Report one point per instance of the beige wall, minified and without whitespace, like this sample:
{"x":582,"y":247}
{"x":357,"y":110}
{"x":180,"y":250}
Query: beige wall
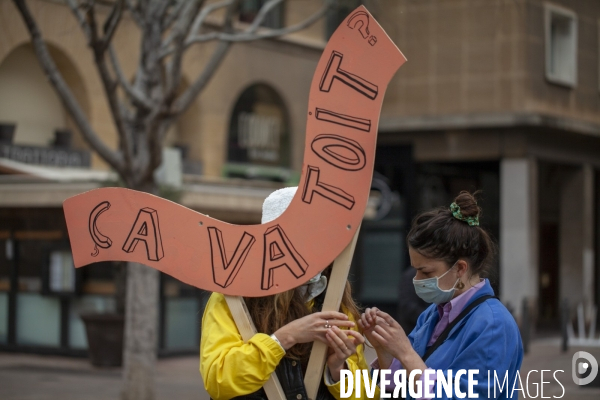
{"x":486,"y":56}
{"x":464,"y":56}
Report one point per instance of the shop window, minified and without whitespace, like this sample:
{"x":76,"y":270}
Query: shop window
{"x":38,"y":320}
{"x":5,"y":250}
{"x":3,"y":317}
{"x":182,"y":307}
{"x":382,"y":256}
{"x":249,"y":9}
{"x":561,"y":45}
{"x":337,"y":13}
{"x":181,"y":323}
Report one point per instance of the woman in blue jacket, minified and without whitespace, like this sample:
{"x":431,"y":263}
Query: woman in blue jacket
{"x":466,"y":327}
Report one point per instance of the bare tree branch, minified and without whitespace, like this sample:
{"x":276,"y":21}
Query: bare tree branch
{"x":75,"y":9}
{"x":111,"y":23}
{"x":135,"y":96}
{"x":110,"y":88}
{"x":134,"y":10}
{"x":175,"y":13}
{"x":206,"y":11}
{"x":113,"y":158}
{"x":251,"y":33}
{"x":181,"y":30}
{"x":167,"y":49}
{"x":187,"y":97}
{"x":262,"y":13}
{"x":158,"y":10}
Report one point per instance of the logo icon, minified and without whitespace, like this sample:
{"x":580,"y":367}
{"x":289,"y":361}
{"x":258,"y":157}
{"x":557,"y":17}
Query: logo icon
{"x":584,"y":368}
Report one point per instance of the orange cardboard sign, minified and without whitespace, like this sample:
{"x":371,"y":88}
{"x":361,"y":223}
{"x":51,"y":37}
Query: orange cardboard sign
{"x":346,"y":94}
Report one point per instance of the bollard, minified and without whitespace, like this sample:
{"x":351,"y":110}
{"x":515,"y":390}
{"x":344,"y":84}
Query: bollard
{"x":525,"y":325}
{"x":564,"y":321}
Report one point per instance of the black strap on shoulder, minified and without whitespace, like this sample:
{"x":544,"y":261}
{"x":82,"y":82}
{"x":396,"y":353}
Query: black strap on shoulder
{"x":444,"y":335}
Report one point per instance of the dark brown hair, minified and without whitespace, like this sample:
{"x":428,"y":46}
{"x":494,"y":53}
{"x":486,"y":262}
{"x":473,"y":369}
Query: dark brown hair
{"x":438,"y":234}
{"x":270,"y":313}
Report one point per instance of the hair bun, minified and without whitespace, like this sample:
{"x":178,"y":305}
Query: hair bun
{"x":468,"y":205}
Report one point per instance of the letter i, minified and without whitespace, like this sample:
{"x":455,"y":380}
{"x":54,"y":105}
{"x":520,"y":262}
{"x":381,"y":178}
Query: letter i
{"x":357,"y":378}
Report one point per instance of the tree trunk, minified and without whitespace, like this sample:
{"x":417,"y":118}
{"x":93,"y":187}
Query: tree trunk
{"x":141,"y":326}
{"x":141,"y":320}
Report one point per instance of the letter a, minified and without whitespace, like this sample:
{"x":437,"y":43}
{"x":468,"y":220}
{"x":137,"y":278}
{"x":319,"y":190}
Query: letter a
{"x":335,"y":194}
{"x":279,"y":252}
{"x":220,"y":264}
{"x":146,"y":229}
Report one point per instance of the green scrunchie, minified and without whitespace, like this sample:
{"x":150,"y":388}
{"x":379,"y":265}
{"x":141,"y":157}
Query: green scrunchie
{"x":472,"y":221}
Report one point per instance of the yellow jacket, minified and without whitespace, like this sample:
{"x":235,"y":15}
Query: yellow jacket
{"x":232,"y":368}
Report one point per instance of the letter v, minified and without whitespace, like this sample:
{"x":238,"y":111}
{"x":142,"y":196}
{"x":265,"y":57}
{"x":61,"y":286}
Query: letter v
{"x":225,"y":271}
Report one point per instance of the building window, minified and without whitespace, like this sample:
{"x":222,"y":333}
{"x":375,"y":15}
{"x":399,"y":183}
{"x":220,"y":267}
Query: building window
{"x":259,"y":136}
{"x":249,"y":9}
{"x":337,"y":13}
{"x":561,"y":45}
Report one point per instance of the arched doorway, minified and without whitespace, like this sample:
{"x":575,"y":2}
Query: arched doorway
{"x":32,"y":114}
{"x":29,"y":101}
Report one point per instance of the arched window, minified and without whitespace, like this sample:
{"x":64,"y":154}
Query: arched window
{"x":259,"y":139}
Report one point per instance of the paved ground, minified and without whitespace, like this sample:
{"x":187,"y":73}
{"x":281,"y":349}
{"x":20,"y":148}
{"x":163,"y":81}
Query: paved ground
{"x":546,"y":355}
{"x":31,"y":377}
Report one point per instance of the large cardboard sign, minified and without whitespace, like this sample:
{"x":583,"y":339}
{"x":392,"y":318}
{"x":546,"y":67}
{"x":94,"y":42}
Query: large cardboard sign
{"x":345,"y":101}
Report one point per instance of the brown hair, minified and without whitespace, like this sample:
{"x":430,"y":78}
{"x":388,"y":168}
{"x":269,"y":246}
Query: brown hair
{"x":270,"y":313}
{"x":438,"y":234}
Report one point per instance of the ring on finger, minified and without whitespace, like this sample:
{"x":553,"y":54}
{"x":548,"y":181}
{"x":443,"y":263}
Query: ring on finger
{"x":327,"y":326}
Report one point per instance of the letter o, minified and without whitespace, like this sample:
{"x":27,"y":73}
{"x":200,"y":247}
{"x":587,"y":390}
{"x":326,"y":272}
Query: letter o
{"x":341,"y":152}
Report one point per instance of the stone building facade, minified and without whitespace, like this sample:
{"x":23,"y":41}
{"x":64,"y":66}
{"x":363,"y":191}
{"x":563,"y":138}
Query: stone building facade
{"x":498,"y":95}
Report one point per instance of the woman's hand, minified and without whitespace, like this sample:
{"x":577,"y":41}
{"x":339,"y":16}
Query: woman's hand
{"x":390,"y":334}
{"x":342,"y":344}
{"x":367,"y":322}
{"x":311,"y":327}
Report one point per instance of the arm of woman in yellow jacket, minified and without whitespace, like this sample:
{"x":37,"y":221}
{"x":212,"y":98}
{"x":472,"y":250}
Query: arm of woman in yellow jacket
{"x":230,"y":367}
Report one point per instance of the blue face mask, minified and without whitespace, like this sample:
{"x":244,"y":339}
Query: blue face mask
{"x":429,"y":289}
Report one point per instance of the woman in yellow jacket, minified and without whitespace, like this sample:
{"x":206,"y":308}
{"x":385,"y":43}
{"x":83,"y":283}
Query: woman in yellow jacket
{"x":287,"y":323}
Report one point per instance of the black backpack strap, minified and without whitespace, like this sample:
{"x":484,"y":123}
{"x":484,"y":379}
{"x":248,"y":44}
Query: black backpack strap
{"x":444,"y":335}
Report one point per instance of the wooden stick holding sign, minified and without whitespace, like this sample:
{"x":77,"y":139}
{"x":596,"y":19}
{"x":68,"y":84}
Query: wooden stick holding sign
{"x":333,"y":299}
{"x":332,"y":302}
{"x":346,"y":95}
{"x":245,"y":325}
